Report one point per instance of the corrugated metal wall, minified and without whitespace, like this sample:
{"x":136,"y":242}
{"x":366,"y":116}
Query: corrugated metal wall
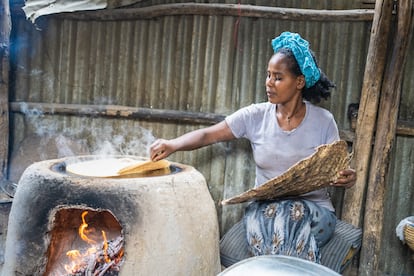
{"x":212,"y":64}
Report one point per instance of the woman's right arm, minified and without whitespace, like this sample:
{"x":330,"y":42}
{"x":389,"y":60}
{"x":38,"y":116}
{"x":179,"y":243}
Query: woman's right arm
{"x":219,"y":132}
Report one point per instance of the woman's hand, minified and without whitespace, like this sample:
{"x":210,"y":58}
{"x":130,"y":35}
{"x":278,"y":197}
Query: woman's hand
{"x":346,"y":179}
{"x":195,"y":139}
{"x":161,"y":149}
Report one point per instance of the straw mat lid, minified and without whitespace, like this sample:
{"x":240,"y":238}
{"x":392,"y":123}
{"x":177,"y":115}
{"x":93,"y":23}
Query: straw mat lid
{"x":312,"y":173}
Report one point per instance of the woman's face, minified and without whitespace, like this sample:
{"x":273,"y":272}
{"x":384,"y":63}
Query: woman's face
{"x":282,"y":85}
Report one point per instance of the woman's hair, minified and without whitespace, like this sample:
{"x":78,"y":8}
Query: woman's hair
{"x":321,"y":89}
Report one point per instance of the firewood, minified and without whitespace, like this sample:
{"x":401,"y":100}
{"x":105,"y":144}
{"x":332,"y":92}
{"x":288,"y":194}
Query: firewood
{"x":96,"y":265}
{"x":91,"y":266}
{"x":114,"y":247}
{"x":104,"y":268}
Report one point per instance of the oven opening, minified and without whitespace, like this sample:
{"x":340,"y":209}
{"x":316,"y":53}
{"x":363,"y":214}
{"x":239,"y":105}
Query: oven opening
{"x":84,"y":241}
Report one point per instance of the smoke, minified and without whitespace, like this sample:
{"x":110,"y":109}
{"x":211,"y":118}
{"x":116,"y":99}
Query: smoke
{"x":63,"y":145}
{"x":84,"y":135}
{"x":127,"y":141}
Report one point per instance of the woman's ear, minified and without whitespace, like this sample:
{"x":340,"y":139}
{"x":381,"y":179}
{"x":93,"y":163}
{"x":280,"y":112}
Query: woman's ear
{"x":301,"y":82}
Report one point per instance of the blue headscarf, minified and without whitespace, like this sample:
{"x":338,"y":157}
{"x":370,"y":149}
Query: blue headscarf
{"x":302,"y":53}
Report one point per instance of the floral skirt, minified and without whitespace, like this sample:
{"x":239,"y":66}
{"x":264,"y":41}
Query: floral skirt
{"x":292,"y":227}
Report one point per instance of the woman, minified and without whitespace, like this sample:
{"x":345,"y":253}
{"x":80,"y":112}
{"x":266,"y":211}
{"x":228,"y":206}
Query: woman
{"x":281,"y":131}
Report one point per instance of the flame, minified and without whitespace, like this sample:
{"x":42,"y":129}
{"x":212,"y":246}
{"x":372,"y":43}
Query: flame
{"x":76,"y":257}
{"x":73,"y":254}
{"x":105,"y":247}
{"x":83,"y":231}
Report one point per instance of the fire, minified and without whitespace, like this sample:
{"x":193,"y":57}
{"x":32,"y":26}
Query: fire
{"x":83,"y":231}
{"x":96,"y":256}
{"x":105,"y":247}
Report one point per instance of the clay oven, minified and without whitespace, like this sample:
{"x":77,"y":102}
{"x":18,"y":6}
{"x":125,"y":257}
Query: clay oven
{"x":142,"y":225}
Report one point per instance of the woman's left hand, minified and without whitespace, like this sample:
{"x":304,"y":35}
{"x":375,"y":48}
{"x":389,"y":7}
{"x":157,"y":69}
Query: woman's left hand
{"x":346,"y":179}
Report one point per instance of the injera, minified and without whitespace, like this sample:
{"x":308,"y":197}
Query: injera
{"x":233,"y":246}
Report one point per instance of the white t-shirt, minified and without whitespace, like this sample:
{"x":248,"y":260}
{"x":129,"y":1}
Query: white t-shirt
{"x":276,"y":150}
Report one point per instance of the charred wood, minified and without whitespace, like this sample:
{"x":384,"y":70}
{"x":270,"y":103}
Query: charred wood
{"x":96,"y":265}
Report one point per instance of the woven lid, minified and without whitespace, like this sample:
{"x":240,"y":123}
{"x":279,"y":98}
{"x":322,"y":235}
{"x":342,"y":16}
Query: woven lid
{"x":312,"y":173}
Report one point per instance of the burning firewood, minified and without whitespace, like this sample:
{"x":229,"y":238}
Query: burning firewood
{"x":97,"y":264}
{"x":115,"y":247}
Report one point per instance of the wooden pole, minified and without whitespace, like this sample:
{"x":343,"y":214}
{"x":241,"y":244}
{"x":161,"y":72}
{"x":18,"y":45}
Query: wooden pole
{"x":404,"y":127}
{"x":368,"y":108}
{"x":5,"y":28}
{"x":118,"y":111}
{"x":384,"y":141}
{"x":222,"y":10}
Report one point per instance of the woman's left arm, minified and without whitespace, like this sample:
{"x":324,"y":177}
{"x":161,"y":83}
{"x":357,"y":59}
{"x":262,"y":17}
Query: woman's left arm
{"x":346,"y":179}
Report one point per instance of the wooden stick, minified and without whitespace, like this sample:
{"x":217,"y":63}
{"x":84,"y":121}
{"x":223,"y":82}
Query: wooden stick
{"x":384,"y":141}
{"x":222,"y":10}
{"x":367,"y":114}
{"x":104,"y":268}
{"x":144,"y":167}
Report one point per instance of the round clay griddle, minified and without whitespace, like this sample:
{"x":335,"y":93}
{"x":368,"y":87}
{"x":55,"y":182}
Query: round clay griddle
{"x":105,"y":167}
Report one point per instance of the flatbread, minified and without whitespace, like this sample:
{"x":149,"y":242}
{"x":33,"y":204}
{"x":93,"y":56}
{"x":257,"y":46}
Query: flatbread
{"x":114,"y":167}
{"x":312,"y":173}
{"x":104,"y":167}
